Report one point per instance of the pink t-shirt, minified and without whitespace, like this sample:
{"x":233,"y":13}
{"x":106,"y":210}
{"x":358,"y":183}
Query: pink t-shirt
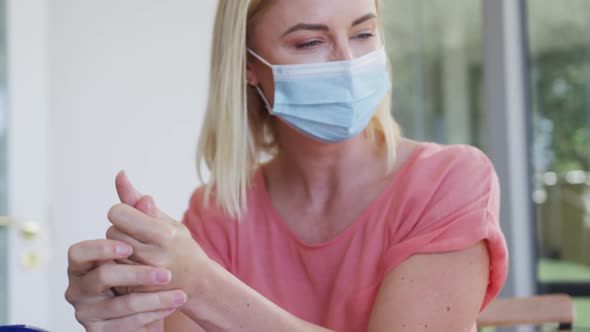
{"x":444,"y":198}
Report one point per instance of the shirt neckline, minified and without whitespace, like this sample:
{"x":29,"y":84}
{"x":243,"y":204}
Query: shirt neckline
{"x":277,"y":219}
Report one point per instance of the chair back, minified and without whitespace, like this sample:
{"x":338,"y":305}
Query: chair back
{"x":534,"y":310}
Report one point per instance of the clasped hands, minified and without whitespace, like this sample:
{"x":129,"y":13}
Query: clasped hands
{"x":145,"y":269}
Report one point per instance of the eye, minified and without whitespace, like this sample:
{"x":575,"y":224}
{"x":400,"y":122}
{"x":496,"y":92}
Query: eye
{"x":309,"y":44}
{"x":365,"y":35}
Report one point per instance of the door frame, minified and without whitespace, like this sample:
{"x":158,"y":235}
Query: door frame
{"x":27,"y":158}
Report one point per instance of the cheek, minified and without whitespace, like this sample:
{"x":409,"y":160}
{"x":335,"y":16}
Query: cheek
{"x":361,"y":47}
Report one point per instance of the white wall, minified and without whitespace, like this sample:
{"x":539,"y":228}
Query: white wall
{"x":128,"y":81}
{"x":26,"y":152}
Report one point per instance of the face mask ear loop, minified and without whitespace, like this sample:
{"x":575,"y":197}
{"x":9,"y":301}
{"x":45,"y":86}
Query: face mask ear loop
{"x":260,"y":58}
{"x":263,"y":98}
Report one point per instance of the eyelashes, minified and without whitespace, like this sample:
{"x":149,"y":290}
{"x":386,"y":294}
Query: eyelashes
{"x":365,"y":35}
{"x":316,"y":42}
{"x":309,"y":44}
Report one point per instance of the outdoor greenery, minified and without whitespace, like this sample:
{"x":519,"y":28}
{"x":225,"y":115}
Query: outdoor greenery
{"x":561,"y":93}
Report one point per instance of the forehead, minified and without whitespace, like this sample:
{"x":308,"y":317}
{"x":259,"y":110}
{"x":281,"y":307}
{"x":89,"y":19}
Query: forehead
{"x":288,"y":12}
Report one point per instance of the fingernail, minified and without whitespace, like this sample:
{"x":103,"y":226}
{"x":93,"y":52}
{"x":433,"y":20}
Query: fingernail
{"x":150,"y":206}
{"x":149,"y":202}
{"x":161,"y":277}
{"x":179,"y":299}
{"x":123,"y":250}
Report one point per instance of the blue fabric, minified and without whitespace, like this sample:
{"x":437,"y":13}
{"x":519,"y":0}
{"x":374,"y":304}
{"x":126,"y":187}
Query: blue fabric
{"x":20,"y":328}
{"x":330,"y":101}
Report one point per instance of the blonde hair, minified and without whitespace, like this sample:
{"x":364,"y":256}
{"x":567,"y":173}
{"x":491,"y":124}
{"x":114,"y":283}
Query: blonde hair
{"x":237,"y":130}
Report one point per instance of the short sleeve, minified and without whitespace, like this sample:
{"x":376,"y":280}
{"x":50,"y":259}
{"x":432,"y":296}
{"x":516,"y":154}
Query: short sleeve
{"x":456,"y":207}
{"x":209,"y":229}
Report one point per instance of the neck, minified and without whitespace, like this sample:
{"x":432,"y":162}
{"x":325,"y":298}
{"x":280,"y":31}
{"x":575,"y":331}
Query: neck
{"x":319,"y":172}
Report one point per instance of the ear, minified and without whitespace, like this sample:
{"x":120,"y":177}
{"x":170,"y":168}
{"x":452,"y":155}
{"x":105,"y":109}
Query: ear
{"x":251,"y":77}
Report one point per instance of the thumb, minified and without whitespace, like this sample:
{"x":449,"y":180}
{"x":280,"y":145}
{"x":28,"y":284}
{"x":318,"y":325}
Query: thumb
{"x":127,"y":193}
{"x":147,"y":205}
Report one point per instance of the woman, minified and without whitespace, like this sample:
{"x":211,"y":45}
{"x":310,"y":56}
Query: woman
{"x":345,"y":226}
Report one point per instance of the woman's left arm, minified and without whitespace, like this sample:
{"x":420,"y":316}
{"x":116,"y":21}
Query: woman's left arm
{"x":217,"y":301}
{"x":227,"y":304}
{"x":440,"y":292}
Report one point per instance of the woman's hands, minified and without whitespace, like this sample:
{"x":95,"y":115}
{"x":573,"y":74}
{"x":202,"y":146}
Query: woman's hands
{"x":157,"y":240}
{"x":92,"y":272}
{"x":162,"y":261}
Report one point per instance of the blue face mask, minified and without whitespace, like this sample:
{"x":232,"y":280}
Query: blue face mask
{"x":329,"y":101}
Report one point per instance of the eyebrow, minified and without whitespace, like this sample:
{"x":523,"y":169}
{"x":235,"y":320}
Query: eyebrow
{"x":323,"y":27}
{"x":364,"y":19}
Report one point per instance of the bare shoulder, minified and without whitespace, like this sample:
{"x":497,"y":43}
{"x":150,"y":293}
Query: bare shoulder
{"x":449,"y":286}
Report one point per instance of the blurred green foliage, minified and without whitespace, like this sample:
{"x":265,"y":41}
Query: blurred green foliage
{"x":561,"y":91}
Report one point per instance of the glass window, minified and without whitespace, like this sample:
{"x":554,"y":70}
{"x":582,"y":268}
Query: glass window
{"x":435,"y":50}
{"x":436,"y":55}
{"x":559,"y":74}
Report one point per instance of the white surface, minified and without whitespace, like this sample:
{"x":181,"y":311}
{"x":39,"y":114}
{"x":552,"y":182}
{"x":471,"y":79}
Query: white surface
{"x":27,"y":156}
{"x":128,"y":83}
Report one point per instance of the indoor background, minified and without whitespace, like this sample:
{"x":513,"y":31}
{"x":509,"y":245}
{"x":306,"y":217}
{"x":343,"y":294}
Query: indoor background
{"x":90,"y":87}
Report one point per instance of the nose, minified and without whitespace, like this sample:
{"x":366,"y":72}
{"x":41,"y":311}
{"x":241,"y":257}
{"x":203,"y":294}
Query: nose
{"x":342,"y":51}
